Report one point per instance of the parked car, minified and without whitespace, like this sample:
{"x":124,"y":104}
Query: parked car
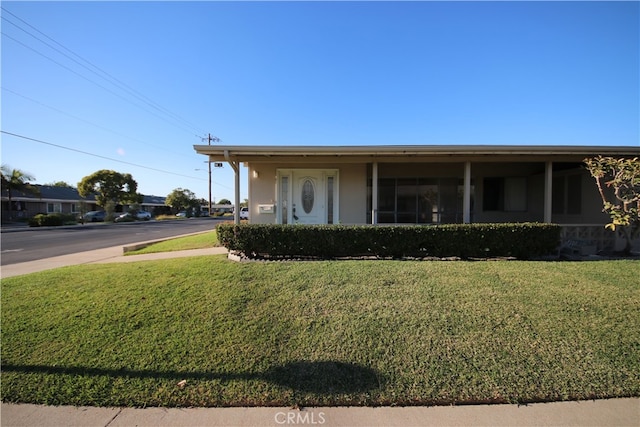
{"x":182,"y":214}
{"x":125,"y":217}
{"x":128,"y":216}
{"x":143,"y":215}
{"x":244,"y":213}
{"x":95,"y":216}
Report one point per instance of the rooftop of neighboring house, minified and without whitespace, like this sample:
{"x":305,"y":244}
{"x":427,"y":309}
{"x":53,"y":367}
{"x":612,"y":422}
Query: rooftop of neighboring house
{"x":49,"y":192}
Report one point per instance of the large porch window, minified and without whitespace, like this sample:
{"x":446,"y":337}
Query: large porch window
{"x":505,"y":194}
{"x":419,"y":200}
{"x":567,"y":195}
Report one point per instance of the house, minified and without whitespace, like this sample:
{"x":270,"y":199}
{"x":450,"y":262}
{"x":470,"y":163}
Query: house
{"x":396,"y":184}
{"x":50,"y":199}
{"x":53,"y":199}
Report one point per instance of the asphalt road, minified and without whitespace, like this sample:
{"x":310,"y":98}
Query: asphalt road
{"x":32,"y":244}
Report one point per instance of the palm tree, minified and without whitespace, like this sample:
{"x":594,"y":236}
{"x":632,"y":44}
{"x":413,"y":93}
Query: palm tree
{"x":16,"y":180}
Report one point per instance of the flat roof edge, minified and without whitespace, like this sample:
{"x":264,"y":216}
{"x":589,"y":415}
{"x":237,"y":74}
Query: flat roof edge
{"x":401,"y":150}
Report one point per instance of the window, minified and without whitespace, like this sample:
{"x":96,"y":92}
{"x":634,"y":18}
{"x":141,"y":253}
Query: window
{"x":428,"y":201}
{"x":505,"y":194}
{"x":330,"y":181}
{"x":386,"y":200}
{"x":284,"y":198}
{"x":308,"y":196}
{"x":493,"y":194}
{"x":574,"y":195}
{"x":566,"y":195}
{"x":420,"y":200}
{"x":54,"y":207}
{"x":515,"y":194}
{"x":406,"y":201}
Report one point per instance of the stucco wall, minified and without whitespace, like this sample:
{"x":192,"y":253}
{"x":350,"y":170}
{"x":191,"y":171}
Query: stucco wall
{"x":353,"y":194}
{"x":262,"y":190}
{"x":352,"y":191}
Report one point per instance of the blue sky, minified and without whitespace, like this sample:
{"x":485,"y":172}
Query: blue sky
{"x":305,"y":73}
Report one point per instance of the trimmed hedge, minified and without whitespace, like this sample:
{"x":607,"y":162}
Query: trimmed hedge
{"x":522,"y":240}
{"x":48,"y":220}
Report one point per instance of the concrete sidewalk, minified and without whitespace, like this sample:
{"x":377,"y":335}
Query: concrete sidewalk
{"x":99,"y":256}
{"x":611,"y":412}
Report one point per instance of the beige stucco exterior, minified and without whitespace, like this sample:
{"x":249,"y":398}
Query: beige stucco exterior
{"x":262,"y":185}
{"x":543,"y":184}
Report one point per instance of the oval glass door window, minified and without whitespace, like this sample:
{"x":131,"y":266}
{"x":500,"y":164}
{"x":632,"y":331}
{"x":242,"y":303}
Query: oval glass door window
{"x":308,"y":196}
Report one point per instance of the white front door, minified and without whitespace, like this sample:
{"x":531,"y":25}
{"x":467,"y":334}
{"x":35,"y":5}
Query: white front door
{"x":308,"y":205}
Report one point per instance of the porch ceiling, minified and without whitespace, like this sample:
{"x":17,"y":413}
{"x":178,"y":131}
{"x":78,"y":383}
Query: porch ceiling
{"x":407,"y":153}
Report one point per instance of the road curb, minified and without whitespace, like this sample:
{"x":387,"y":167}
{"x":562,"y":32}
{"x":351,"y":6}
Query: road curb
{"x":142,"y":245}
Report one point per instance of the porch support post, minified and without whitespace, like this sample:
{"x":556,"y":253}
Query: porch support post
{"x":374,"y":193}
{"x":548,"y":185}
{"x":466,"y":198}
{"x":236,"y":169}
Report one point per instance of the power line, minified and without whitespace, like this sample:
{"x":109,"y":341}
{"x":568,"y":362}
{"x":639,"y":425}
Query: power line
{"x":104,"y":157}
{"x":94,"y":82}
{"x":89,"y":122}
{"x":118,"y":82}
{"x":111,"y":79}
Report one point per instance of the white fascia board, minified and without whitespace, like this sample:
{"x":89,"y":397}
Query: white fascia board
{"x":413,"y":150}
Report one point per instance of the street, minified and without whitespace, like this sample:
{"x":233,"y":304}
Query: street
{"x":33,"y":243}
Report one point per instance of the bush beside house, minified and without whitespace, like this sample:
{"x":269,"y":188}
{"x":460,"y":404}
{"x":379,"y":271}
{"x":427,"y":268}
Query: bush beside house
{"x":522,"y":240}
{"x":48,"y":220}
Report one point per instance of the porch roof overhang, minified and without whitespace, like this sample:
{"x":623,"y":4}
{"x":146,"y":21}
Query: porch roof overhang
{"x":395,"y":153}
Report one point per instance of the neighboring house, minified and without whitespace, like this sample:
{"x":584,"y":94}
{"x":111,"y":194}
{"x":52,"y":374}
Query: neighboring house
{"x":66,"y":200}
{"x":421,"y":184}
{"x":50,"y":199}
{"x":155,"y":204}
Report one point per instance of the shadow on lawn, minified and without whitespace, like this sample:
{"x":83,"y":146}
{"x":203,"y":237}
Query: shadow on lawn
{"x":321,"y":377}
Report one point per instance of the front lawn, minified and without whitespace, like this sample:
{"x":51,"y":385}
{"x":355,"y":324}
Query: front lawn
{"x":208,"y":239}
{"x":205,"y":331}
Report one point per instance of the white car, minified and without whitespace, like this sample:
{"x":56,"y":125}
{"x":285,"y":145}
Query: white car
{"x":143,"y":215}
{"x":244,"y":213}
{"x":140,"y":215}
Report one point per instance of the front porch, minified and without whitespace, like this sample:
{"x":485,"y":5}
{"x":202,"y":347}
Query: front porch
{"x":479,"y":191}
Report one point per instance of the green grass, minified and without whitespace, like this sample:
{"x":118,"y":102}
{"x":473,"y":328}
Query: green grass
{"x":196,"y":241}
{"x":321,"y":333}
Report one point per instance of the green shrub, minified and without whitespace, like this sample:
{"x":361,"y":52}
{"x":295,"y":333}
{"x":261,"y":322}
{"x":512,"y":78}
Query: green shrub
{"x":166,"y":217}
{"x":523,"y":240}
{"x":51,"y":220}
{"x":35,"y":220}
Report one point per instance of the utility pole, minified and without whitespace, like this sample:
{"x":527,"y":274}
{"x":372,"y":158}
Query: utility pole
{"x":209,"y":139}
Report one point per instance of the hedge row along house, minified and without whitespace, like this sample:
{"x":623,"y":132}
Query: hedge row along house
{"x":53,"y":199}
{"x":424,"y":185}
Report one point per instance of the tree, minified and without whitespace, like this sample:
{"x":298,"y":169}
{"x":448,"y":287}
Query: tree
{"x":181,"y":198}
{"x":16,"y":180}
{"x":110,"y":186}
{"x":62,"y":184}
{"x":623,"y":203}
{"x":225,"y":202}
